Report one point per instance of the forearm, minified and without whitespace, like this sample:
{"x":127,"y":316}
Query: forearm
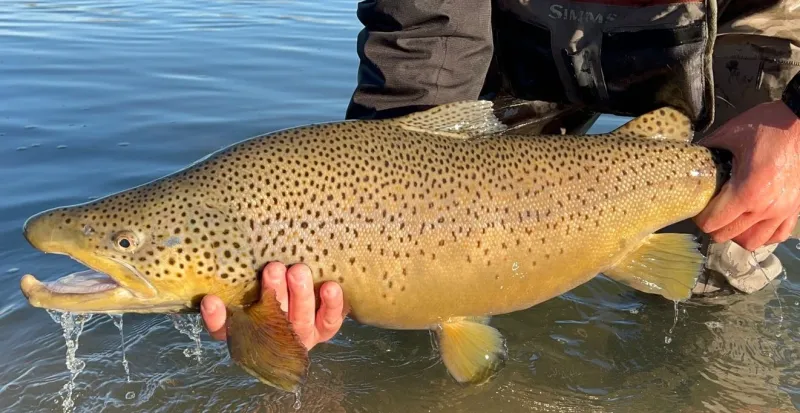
{"x":414,"y":55}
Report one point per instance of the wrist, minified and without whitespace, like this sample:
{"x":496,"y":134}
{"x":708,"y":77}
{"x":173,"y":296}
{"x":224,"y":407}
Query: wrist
{"x":791,"y":95}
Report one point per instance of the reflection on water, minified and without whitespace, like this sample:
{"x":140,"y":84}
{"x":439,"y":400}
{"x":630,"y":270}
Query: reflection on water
{"x":100,"y":96}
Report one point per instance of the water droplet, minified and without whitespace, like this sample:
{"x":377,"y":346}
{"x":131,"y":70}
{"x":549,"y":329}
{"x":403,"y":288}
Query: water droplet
{"x":130,"y":395}
{"x":12,"y":270}
{"x":35,"y":145}
{"x":21,"y":148}
{"x":190,"y":325}
{"x":515,"y":267}
{"x":61,"y":147}
{"x":72,"y":325}
{"x":117,"y":320}
{"x":297,"y":404}
{"x":668,"y":337}
{"x":123,"y":144}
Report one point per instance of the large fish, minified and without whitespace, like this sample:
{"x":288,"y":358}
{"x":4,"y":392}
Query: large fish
{"x":436,"y":220}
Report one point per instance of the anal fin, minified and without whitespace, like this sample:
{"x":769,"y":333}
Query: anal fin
{"x":664,"y":264}
{"x":262,"y":342}
{"x":471,"y":350}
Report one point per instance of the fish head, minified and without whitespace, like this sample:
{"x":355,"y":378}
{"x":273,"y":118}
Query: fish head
{"x":151,"y":253}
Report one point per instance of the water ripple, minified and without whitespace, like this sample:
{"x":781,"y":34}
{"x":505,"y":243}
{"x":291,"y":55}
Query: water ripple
{"x":101,"y":96}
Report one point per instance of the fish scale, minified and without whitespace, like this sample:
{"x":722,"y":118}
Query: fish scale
{"x":380,"y":218}
{"x":435,"y":220}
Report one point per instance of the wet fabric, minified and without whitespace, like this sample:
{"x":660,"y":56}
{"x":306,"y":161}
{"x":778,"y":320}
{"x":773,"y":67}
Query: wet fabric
{"x":746,"y":271}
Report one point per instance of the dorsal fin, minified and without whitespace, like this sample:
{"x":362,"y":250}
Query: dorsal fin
{"x":665,"y":123}
{"x":462,"y":120}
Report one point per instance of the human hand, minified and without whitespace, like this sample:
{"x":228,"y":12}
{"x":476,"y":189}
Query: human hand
{"x":298,"y":300}
{"x":760,"y":204}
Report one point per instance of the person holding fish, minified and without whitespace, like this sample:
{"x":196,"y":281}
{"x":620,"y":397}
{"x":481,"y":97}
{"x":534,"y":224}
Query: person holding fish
{"x":554,"y":66}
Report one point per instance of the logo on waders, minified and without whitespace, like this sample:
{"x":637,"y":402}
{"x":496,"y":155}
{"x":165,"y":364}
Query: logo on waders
{"x":559,"y":12}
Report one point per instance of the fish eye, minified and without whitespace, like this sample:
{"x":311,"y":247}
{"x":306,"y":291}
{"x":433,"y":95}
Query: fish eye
{"x":125,"y":241}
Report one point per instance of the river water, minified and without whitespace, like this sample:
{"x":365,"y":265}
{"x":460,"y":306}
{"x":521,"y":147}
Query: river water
{"x":98,"y":96}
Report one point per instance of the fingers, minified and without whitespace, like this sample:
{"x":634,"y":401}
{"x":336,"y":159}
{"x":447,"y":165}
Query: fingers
{"x":721,"y":211}
{"x":213,"y":312}
{"x":745,"y":223}
{"x":302,"y":303}
{"x":757,"y":235}
{"x":784,"y":231}
{"x":331,"y":312}
{"x":274,"y":279}
{"x":294,"y":289}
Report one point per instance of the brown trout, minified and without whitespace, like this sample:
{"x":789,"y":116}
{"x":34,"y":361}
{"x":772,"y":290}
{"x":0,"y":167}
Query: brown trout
{"x":436,"y":220}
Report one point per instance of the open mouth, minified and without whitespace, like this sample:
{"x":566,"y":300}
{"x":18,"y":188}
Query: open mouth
{"x":81,"y":282}
{"x":92,"y":291}
{"x":82,"y":291}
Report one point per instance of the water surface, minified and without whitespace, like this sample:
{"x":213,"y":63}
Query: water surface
{"x":98,"y":96}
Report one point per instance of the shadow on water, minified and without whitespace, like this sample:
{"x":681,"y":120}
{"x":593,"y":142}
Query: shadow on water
{"x":102,"y":96}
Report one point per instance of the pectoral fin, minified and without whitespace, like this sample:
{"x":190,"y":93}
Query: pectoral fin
{"x":471,"y":350}
{"x":262,"y":342}
{"x":664,"y":264}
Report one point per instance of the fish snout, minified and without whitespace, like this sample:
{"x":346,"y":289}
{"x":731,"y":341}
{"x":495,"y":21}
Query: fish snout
{"x":29,"y":285}
{"x":38,"y":230}
{"x":51,"y":231}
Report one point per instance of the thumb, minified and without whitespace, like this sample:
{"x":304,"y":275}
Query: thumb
{"x":213,"y":312}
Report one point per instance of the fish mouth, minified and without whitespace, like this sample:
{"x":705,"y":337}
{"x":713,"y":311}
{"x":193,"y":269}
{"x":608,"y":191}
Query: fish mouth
{"x":77,"y":292}
{"x":81,"y":282}
{"x":90,"y":291}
